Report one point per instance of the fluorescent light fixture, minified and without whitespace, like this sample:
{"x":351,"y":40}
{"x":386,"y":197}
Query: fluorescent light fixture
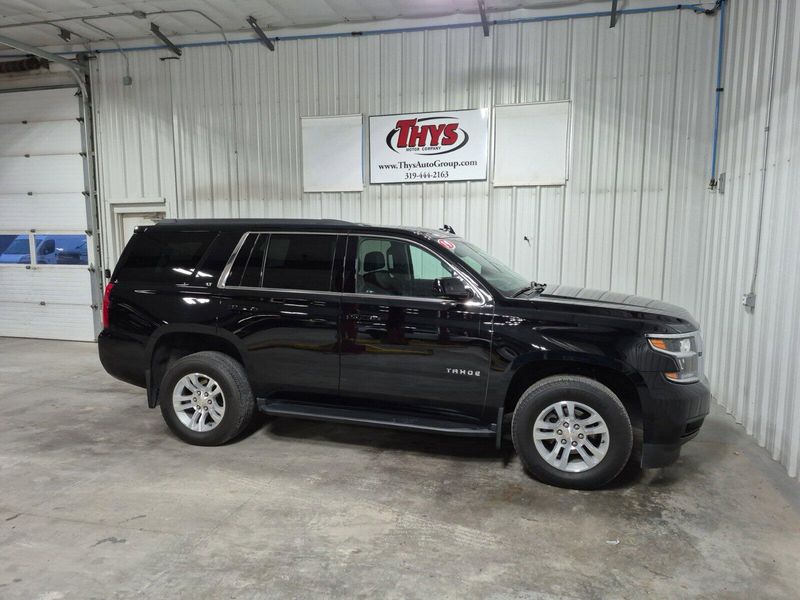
{"x":260,"y":33}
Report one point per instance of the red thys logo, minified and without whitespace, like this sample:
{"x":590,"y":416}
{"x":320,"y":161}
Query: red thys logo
{"x":430,"y":135}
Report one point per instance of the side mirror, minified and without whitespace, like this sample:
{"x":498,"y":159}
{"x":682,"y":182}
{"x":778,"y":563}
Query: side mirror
{"x":450,"y":287}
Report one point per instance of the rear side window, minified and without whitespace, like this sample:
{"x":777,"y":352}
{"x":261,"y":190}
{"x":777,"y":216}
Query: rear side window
{"x":299,"y":261}
{"x":164,"y":256}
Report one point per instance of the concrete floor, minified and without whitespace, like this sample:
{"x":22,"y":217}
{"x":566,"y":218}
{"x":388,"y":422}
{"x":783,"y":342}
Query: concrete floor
{"x":98,"y":500}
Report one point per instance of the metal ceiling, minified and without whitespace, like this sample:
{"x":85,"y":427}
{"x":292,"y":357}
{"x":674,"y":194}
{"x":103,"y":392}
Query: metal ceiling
{"x":77,"y":22}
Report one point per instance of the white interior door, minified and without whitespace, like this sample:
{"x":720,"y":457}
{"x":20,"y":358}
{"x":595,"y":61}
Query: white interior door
{"x":45,"y":282}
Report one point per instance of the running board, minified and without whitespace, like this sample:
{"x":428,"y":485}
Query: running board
{"x":283,"y":408}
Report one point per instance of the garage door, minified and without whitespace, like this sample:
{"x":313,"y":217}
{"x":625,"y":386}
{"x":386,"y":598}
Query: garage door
{"x":45,"y":282}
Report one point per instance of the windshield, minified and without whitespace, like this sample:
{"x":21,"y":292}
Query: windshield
{"x":501,"y":277}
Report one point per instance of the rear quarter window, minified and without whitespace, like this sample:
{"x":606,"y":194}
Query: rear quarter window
{"x":164,"y":256}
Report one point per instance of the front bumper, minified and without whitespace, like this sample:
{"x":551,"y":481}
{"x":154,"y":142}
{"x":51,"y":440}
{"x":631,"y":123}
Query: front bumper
{"x":672,"y":414}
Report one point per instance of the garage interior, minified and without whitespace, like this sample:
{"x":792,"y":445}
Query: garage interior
{"x":680,"y":184}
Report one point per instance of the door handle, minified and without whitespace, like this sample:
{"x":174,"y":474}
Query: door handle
{"x":358,"y":317}
{"x":244,"y":307}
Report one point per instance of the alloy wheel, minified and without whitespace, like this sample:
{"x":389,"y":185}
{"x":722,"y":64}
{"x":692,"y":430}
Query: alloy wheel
{"x":571,"y":436}
{"x":198,"y":402}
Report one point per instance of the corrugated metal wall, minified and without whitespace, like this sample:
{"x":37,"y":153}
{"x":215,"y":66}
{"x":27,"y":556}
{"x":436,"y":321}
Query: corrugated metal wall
{"x":753,"y":362}
{"x":217,"y":134}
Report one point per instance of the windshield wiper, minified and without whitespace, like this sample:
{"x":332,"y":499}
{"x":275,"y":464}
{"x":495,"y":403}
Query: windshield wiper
{"x":538,"y":288}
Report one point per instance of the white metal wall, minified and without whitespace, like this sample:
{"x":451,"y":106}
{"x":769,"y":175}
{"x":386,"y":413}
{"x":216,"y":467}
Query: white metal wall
{"x":217,"y":133}
{"x":754,"y":364}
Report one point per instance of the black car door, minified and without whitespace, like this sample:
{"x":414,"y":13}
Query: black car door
{"x":281,"y":298}
{"x":402,"y":345}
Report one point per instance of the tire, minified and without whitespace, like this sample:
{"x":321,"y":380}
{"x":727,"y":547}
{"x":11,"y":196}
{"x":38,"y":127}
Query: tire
{"x":228,"y":406}
{"x":593,"y":458}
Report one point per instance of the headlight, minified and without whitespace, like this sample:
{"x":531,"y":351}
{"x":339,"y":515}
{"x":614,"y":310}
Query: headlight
{"x":686,"y":349}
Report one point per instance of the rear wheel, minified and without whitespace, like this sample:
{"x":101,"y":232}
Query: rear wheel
{"x":572,"y":431}
{"x":205,"y":398}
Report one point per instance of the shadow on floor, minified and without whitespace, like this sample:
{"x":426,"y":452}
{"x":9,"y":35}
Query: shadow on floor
{"x":379,"y":439}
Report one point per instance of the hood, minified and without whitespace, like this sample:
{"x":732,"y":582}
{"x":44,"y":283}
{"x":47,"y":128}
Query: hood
{"x":589,"y":298}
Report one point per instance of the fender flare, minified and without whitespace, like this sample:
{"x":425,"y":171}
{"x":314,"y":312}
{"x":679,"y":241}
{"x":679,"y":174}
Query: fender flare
{"x":189,"y":328}
{"x":577,"y":358}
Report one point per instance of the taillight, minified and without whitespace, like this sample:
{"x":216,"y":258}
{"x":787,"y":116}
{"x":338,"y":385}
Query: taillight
{"x":106,"y":304}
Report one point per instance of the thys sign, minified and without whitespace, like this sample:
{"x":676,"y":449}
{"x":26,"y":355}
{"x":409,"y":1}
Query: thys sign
{"x":423,"y":147}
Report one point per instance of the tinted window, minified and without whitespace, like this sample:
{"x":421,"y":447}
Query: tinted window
{"x":397,"y":268}
{"x":216,"y":257}
{"x":299,"y":261}
{"x":164,"y":256}
{"x":247,"y":267}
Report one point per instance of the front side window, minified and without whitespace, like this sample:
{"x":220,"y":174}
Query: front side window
{"x":392,"y":267}
{"x":503,"y":278}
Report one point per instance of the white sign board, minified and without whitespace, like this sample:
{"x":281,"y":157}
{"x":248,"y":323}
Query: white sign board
{"x":424,"y":147}
{"x":332,"y":153}
{"x":531,"y":144}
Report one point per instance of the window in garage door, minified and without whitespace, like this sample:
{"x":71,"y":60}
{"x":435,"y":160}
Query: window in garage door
{"x":15,"y":249}
{"x":45,"y":254}
{"x":44,"y":249}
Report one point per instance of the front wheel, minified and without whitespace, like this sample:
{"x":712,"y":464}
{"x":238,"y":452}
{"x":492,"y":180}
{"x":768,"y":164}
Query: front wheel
{"x":572,"y":431}
{"x":206,"y":399}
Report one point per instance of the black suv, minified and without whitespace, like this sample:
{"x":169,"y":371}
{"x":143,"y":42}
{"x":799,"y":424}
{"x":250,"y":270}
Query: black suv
{"x":398,"y":327}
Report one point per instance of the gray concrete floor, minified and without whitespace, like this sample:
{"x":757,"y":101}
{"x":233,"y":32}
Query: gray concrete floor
{"x":98,"y":500}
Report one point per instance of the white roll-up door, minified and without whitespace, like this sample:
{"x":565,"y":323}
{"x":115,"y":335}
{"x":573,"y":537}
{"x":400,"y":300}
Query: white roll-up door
{"x":45,"y":283}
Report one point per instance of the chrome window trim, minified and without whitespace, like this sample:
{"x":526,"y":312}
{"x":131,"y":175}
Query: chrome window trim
{"x":409,"y":298}
{"x":231,"y":259}
{"x":485,"y":297}
{"x":282,"y":290}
